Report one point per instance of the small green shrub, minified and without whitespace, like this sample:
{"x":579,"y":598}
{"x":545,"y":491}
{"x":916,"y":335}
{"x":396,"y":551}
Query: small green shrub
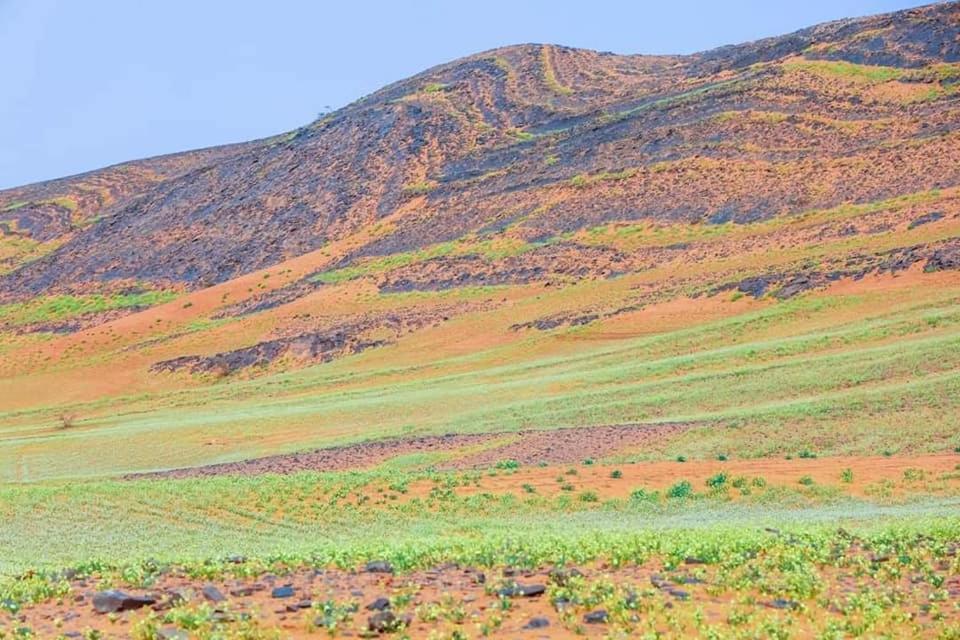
{"x":682,"y":489}
{"x":806,"y":481}
{"x":616,"y":474}
{"x":846,"y":475}
{"x":717,"y":481}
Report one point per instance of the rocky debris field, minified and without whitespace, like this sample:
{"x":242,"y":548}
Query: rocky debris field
{"x":686,"y":595}
{"x":465,"y":451}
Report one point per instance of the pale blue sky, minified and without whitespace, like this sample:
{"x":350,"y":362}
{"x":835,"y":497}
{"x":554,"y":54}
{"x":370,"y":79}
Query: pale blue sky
{"x":87,"y":83}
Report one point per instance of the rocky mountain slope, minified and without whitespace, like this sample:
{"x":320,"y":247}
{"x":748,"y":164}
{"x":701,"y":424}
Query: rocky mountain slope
{"x":525,"y":144}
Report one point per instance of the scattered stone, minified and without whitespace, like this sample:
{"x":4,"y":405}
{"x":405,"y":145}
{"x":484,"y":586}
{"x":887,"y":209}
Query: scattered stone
{"x":693,"y":560}
{"x":782,"y":603}
{"x":926,"y":218}
{"x":562,"y":576}
{"x":379,"y":604}
{"x":679,"y":594}
{"x":236,"y":559}
{"x":212,"y":594}
{"x":754,"y":287}
{"x":596,"y":617}
{"x":379,"y":566}
{"x":172,"y":633}
{"x":383,"y":622}
{"x":522,"y":590}
{"x":296,"y":606}
{"x":282,"y":592}
{"x":243,"y":591}
{"x":113,"y":601}
{"x":537,"y":623}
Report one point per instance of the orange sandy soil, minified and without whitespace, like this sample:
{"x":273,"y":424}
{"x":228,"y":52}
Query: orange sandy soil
{"x":867,"y":472}
{"x":658,"y":592}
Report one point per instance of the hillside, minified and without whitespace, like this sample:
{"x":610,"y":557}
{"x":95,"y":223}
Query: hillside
{"x":537,"y":306}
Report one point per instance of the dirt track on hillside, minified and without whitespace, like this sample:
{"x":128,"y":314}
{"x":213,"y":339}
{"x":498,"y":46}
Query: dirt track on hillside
{"x":465,"y":450}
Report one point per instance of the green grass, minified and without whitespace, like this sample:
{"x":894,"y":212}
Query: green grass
{"x":419,"y":188}
{"x":316,"y":517}
{"x":842,"y":69}
{"x":16,"y":204}
{"x":838,"y":375}
{"x":64,"y":307}
{"x":490,"y":249}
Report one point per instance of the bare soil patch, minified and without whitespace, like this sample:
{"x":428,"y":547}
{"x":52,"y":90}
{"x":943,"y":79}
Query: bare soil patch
{"x":555,"y":446}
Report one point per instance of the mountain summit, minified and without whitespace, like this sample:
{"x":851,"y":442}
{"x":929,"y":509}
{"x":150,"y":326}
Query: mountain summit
{"x":523,"y":144}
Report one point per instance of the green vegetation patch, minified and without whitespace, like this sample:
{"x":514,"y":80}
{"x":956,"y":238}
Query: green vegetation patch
{"x":64,"y":307}
{"x":871,"y":74}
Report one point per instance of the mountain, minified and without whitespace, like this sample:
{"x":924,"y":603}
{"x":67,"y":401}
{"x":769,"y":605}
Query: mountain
{"x":525,"y":198}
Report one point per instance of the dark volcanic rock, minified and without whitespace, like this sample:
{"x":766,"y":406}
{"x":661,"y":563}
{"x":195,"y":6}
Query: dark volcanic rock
{"x":379,"y":604}
{"x":522,"y":590}
{"x":315,"y":347}
{"x":378,"y":566}
{"x":755,"y":287}
{"x":596,"y":617}
{"x":114,"y":601}
{"x":212,"y":593}
{"x":537,"y":623}
{"x":282,"y":592}
{"x":944,"y":259}
{"x":385,"y":621}
{"x":927,"y":218}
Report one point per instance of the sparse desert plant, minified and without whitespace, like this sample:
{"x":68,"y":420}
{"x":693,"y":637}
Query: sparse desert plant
{"x":717,"y":481}
{"x":682,"y":489}
{"x":913,"y":474}
{"x":616,"y":474}
{"x":66,"y":420}
{"x":588,"y":496}
{"x":846,"y":476}
{"x":806,"y":481}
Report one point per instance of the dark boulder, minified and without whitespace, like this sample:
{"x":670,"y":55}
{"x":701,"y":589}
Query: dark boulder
{"x":212,"y":594}
{"x":113,"y":601}
{"x":282,"y":592}
{"x":380,"y":604}
{"x":755,"y":287}
{"x":522,"y":590}
{"x":379,"y":566}
{"x":596,"y":617}
{"x":537,"y":623}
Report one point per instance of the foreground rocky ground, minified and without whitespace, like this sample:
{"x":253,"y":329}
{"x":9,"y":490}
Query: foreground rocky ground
{"x":857,"y":588}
